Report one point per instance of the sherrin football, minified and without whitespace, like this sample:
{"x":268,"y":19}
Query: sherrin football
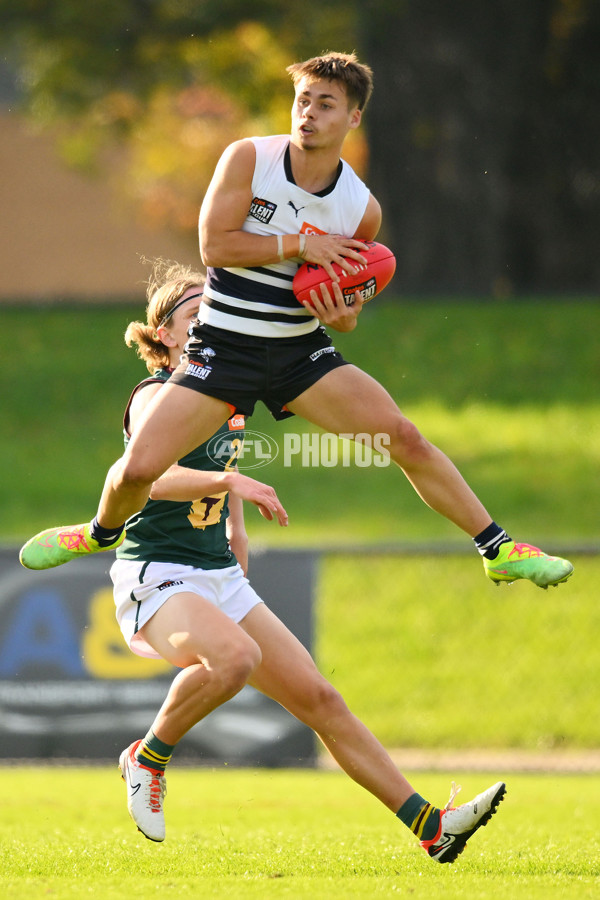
{"x":370,"y":279}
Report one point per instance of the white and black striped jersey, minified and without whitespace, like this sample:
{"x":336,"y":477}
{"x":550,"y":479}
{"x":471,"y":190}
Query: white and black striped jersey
{"x":259,"y":300}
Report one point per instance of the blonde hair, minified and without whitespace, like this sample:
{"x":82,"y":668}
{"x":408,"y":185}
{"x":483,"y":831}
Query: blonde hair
{"x":166,"y":286}
{"x":356,"y":78}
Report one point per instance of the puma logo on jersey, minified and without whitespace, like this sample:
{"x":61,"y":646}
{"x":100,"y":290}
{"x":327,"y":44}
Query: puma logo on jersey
{"x":296,"y":209}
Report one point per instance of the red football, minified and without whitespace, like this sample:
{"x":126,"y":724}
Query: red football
{"x":370,"y":280}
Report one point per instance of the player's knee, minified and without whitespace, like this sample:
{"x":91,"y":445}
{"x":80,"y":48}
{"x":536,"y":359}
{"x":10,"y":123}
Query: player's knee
{"x":135,"y":472}
{"x":325,"y":700}
{"x":235,"y":665}
{"x":407,"y":444}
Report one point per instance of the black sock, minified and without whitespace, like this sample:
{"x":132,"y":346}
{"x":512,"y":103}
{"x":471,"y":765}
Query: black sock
{"x":489,"y":540}
{"x":104,"y":536}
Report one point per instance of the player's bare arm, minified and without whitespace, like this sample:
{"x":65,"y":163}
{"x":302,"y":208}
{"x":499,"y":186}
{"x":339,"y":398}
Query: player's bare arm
{"x":236,"y":532}
{"x":370,"y":222}
{"x":182,"y":484}
{"x":224,"y":211}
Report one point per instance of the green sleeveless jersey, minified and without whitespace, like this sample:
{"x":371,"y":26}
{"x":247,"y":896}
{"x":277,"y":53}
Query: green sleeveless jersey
{"x":190,"y":533}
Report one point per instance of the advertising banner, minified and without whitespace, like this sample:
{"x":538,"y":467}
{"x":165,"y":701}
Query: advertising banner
{"x":71,"y":688}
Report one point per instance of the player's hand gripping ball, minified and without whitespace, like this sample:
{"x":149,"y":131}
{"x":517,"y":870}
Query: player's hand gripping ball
{"x":370,"y":279}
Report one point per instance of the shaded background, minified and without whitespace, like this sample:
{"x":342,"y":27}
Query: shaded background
{"x":480,"y":140}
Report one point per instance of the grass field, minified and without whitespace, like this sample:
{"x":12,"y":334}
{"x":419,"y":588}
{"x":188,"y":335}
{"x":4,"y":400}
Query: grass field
{"x":267,"y":834}
{"x":508,"y":389}
{"x":424,"y":649}
{"x":430,"y":654}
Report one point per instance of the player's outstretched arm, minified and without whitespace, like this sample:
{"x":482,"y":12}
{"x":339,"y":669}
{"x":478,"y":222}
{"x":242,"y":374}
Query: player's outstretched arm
{"x":181,"y":484}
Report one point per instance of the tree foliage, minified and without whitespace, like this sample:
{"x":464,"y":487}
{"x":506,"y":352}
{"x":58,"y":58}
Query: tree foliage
{"x":482,"y":132}
{"x":171,"y":81}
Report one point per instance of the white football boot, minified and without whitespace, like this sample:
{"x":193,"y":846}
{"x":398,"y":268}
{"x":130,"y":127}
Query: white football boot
{"x":146,"y":789}
{"x":457,"y":824}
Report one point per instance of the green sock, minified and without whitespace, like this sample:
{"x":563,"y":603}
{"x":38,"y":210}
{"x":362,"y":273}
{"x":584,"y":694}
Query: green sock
{"x":421,"y":817}
{"x":154,"y":753}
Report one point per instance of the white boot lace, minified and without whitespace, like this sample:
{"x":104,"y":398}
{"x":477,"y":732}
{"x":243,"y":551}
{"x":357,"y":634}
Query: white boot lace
{"x":453,"y":792}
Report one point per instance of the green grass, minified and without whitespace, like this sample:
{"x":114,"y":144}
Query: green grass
{"x":429,"y":653}
{"x":424,"y":649}
{"x":298,"y":834}
{"x":508,"y":390}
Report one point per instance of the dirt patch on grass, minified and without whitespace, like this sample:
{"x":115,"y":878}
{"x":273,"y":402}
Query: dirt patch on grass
{"x":558,"y":761}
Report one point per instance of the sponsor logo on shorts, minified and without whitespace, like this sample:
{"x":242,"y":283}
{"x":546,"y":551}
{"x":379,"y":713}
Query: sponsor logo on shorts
{"x":237,"y":422}
{"x":314,"y":356}
{"x":198,"y":370}
{"x":262,"y":209}
{"x":168,"y":584}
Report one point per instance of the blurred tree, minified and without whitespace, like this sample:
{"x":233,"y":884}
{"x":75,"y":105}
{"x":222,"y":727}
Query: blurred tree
{"x":172,"y":81}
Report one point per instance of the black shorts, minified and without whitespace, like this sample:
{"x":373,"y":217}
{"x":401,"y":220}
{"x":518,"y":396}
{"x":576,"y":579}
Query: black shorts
{"x":241,"y":369}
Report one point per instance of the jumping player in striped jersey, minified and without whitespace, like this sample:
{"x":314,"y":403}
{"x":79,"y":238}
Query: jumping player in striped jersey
{"x":272,"y":203}
{"x":181,"y":594}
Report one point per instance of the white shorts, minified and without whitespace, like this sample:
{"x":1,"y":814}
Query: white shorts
{"x":141,"y":588}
